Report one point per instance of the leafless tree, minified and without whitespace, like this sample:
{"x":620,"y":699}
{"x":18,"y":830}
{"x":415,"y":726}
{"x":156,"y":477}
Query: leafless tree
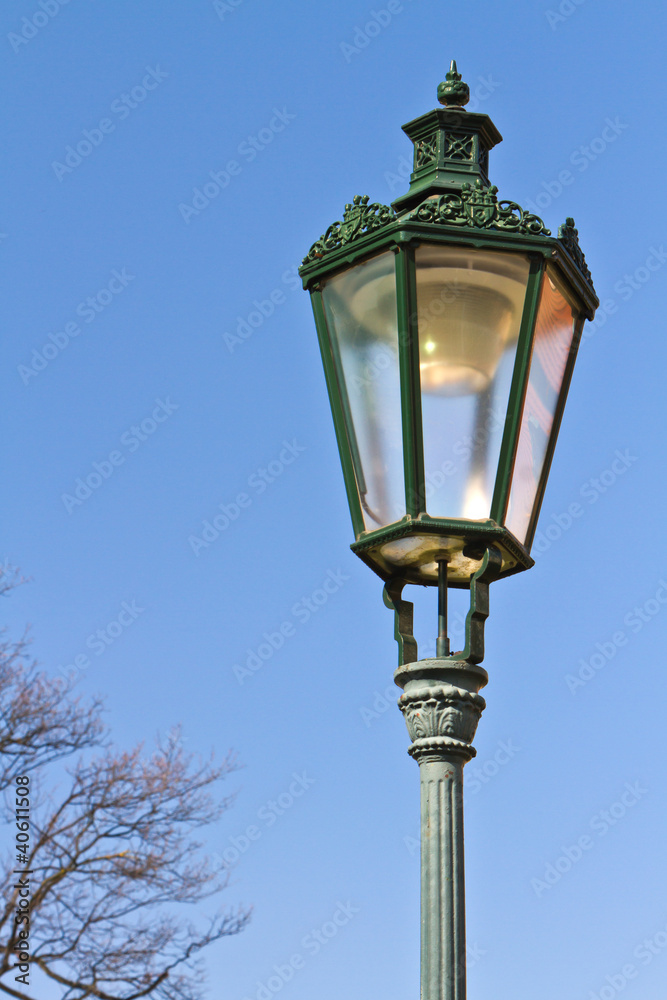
{"x":112,"y":855}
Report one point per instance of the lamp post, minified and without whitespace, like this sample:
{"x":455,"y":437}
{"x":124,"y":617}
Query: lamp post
{"x":449,"y":325}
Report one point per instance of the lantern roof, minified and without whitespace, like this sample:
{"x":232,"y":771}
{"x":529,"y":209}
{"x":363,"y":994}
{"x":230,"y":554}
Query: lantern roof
{"x":450,"y":199}
{"x":451,"y":145}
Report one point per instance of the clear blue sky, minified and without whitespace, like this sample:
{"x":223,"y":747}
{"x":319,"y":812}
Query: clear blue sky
{"x":296,"y":108}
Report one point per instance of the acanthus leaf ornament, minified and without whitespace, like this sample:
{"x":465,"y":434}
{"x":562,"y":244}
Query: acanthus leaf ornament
{"x":442,"y":710}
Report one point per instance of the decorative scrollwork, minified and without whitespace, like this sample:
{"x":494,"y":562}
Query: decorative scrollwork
{"x":426,"y":152}
{"x":569,"y":236}
{"x":359,"y":218}
{"x":479,"y":207}
{"x":460,"y":147}
{"x":475,"y":206}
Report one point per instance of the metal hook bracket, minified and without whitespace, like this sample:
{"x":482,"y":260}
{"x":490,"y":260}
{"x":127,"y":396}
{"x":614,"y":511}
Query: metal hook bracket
{"x":403,"y":620}
{"x":473,"y":651}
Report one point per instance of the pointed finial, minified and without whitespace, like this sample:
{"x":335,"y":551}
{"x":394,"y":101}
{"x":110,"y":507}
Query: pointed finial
{"x":453,"y":93}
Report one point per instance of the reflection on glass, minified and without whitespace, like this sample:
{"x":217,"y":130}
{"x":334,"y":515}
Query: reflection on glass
{"x":552,"y":340}
{"x":470,"y":304}
{"x":360,"y":307}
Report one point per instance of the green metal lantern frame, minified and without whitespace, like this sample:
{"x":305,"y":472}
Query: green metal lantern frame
{"x":451,"y":204}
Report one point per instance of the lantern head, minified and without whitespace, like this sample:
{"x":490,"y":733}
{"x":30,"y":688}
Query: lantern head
{"x":449,"y":325}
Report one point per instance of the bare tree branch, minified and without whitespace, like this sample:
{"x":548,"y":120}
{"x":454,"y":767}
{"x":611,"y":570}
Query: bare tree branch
{"x":39,"y":720}
{"x":113,"y":859}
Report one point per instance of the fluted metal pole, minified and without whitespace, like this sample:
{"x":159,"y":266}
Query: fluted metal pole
{"x":442,"y":706}
{"x":443,"y":944}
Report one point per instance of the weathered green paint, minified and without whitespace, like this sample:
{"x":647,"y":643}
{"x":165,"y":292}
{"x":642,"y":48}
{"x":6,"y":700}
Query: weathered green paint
{"x":473,"y":650}
{"x":403,"y":620}
{"x":442,"y":705}
{"x":442,"y":898}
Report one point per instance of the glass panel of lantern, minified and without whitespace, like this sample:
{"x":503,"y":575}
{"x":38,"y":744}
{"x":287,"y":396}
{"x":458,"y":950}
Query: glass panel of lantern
{"x":470,"y":304}
{"x":360,"y":309}
{"x":555,"y":327}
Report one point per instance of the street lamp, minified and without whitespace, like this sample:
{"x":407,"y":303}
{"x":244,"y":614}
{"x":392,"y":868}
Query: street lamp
{"x":449,"y":325}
